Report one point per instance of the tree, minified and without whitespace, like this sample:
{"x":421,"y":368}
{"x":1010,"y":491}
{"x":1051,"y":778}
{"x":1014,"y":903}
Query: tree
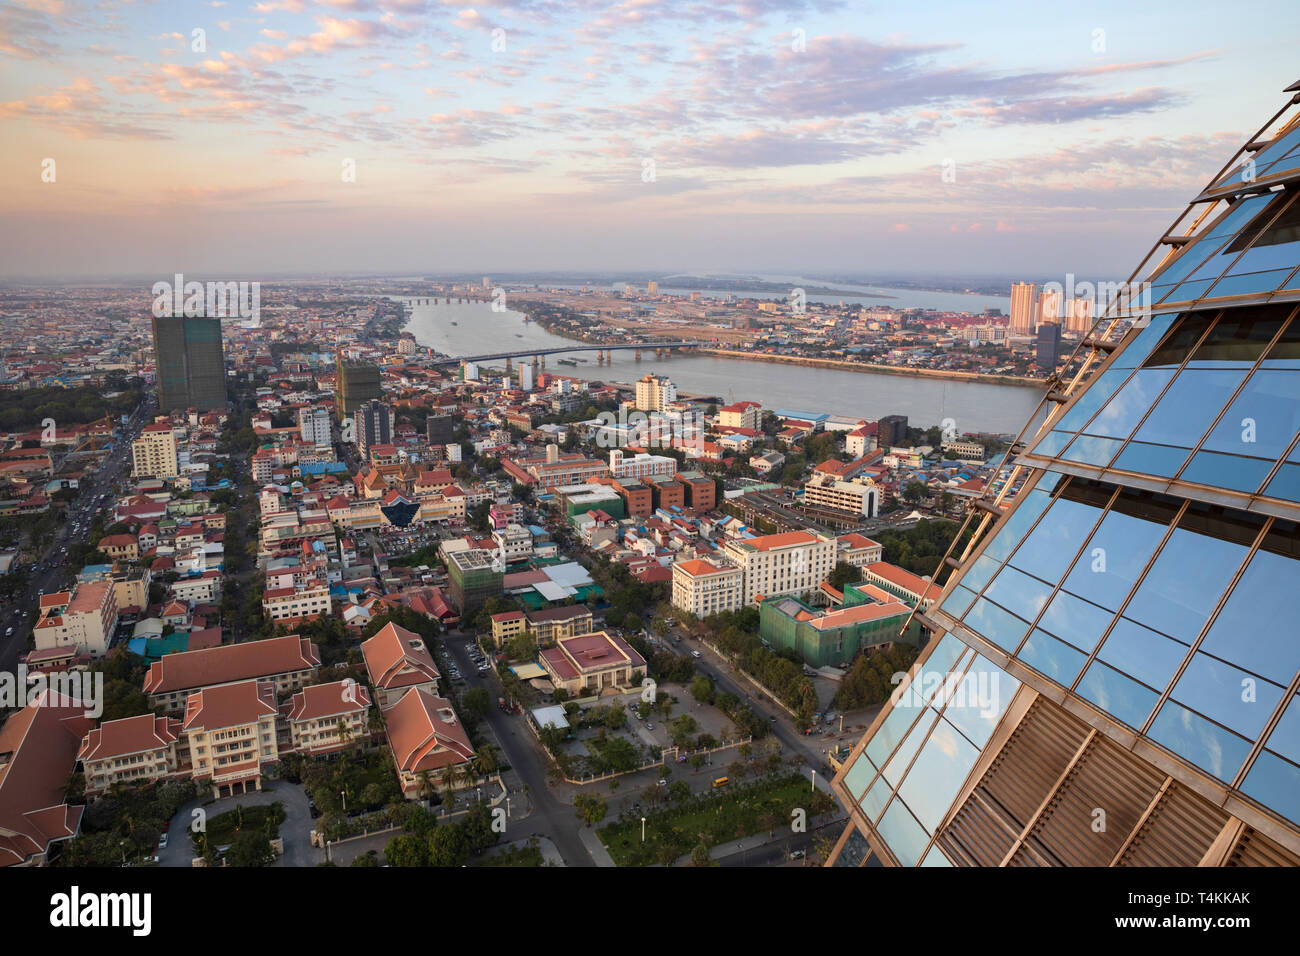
{"x":474,"y":704}
{"x":485,"y":760}
{"x":250,"y":848}
{"x":700,"y":856}
{"x":590,"y":808}
{"x":843,"y":574}
{"x":616,"y":717}
{"x":407,"y":850}
{"x":702,"y":689}
{"x":914,"y":491}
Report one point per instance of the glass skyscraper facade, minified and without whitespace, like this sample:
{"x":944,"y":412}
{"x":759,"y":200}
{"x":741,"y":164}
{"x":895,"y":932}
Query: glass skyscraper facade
{"x":1115,"y":661}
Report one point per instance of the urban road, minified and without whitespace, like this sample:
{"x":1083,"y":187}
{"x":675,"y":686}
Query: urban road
{"x":50,"y":568}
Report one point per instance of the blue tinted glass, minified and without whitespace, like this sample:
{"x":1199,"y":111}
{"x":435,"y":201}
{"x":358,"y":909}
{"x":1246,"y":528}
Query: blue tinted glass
{"x":1143,"y":345}
{"x":938,"y":772}
{"x":1141,"y":653}
{"x":1285,"y":484}
{"x":892,"y":730}
{"x":958,"y":601}
{"x":896,"y":766}
{"x":1185,"y":292}
{"x":1113,"y":558}
{"x":1275,"y":152}
{"x":1184,"y":585}
{"x":1093,"y":451}
{"x":1017,"y":523}
{"x":1285,"y":738}
{"x":979,"y":573}
{"x":1076,"y":621}
{"x":1052,"y":545}
{"x":902,"y":834}
{"x":1263,"y":419}
{"x":1052,"y":658}
{"x":1245,"y":284}
{"x":876,"y":798}
{"x":987,"y":691}
{"x":1018,"y":593}
{"x":1276,"y":784}
{"x":1204,"y":744}
{"x":1122,"y":697}
{"x":1241,"y":213}
{"x":1050,"y":445}
{"x":1192,"y":257}
{"x":1123,"y":412}
{"x":1158,"y":460}
{"x":1227,"y":695}
{"x":1256,"y":628}
{"x":1092,"y":398}
{"x":860,"y":774}
{"x":946,"y":655}
{"x":1226,"y":471}
{"x":990,"y":621}
{"x":1194,"y":399}
{"x":936,"y":858}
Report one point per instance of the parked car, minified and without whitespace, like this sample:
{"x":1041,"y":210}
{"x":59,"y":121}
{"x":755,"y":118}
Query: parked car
{"x":695,"y":654}
{"x":796,"y":854}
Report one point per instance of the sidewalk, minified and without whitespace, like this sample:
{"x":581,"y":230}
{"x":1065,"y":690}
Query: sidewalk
{"x":597,"y":850}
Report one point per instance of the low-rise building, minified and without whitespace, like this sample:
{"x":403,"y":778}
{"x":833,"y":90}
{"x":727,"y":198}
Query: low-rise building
{"x":426,"y":737}
{"x":398,"y":661}
{"x":284,"y":604}
{"x":287,"y":662}
{"x":231,"y":732}
{"x":591,"y":663}
{"x":703,"y":587}
{"x":325,"y":718}
{"x":84,"y":618}
{"x":133,"y":750}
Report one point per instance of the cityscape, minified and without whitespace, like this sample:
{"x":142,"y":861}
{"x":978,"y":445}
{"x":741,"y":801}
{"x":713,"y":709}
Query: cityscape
{"x":546,"y":501}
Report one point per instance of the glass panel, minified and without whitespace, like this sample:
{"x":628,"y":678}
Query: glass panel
{"x":938,"y":773}
{"x":1285,"y":738}
{"x":1276,"y":784}
{"x":936,"y":858}
{"x":1194,"y":399}
{"x":1246,"y":284}
{"x":1160,"y":461}
{"x":1227,"y":695}
{"x":893,"y":770}
{"x":859,"y":775}
{"x":979,"y":573}
{"x":1052,"y":658}
{"x":1274,"y":153}
{"x":1185,"y":292}
{"x":1285,"y":352}
{"x":875,"y":799}
{"x":1076,"y":621}
{"x":1093,"y":451}
{"x":892,"y":730}
{"x":1205,"y":744}
{"x":1092,"y":398}
{"x":1285,"y":484}
{"x":958,"y":601}
{"x":1123,"y":412}
{"x":1143,"y":345}
{"x":1272,"y":246}
{"x":1263,"y":419}
{"x":1184,"y":585}
{"x":1052,"y":545}
{"x":1256,"y":628}
{"x":1050,"y":445}
{"x":1113,"y":559}
{"x":1019,"y":593}
{"x":1142,"y":653}
{"x":1239,"y":338}
{"x":1122,"y":697}
{"x":1227,"y":471}
{"x":987,"y":690}
{"x":991,"y":622}
{"x":1017,"y":523}
{"x":902,"y":834}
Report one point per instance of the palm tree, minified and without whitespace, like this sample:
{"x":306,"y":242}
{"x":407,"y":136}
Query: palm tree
{"x":345,"y":734}
{"x":485,"y":760}
{"x":426,"y":784}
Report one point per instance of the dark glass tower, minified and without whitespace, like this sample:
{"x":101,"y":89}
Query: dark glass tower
{"x":1113,"y":675}
{"x":191,"y":363}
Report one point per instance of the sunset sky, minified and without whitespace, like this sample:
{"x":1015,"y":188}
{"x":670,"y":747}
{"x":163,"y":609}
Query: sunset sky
{"x":785,"y":136}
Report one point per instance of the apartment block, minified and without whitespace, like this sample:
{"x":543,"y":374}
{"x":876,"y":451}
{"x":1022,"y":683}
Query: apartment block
{"x":154,"y":453}
{"x":775,"y":564}
{"x":703,"y":587}
{"x":84,"y":618}
{"x":286,"y":662}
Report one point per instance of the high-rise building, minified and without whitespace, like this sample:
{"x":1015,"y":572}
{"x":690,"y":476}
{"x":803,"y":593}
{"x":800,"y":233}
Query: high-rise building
{"x":1078,"y":318}
{"x":654,"y":393}
{"x":154,"y":453}
{"x":440,"y":429}
{"x":1112,"y":678}
{"x":190,"y":362}
{"x":314,"y":424}
{"x":652,"y":287}
{"x":1051,"y":305}
{"x":1024,"y":308}
{"x":356,"y":384}
{"x":1048,"y":345}
{"x":525,"y":376}
{"x":374,"y":425}
{"x":891,"y":430}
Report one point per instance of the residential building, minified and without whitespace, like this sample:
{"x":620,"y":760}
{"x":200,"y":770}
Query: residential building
{"x":473,"y":576}
{"x":84,"y":618}
{"x":703,"y":588}
{"x":290,"y":603}
{"x":741,"y":415}
{"x":1024,"y":309}
{"x":426,"y":738}
{"x":133,"y":750}
{"x":859,"y":496}
{"x":640,"y":465}
{"x":287,"y":662}
{"x":327,"y":718}
{"x":790,"y":563}
{"x":231,"y":733}
{"x":374,"y":426}
{"x":654,"y":393}
{"x":314,"y":426}
{"x":355,"y":384}
{"x":154,"y":454}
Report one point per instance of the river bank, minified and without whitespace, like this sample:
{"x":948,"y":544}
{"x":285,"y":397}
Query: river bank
{"x":1016,"y":380}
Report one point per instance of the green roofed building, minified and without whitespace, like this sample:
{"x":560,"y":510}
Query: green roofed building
{"x":473,"y":577}
{"x":833,"y":637}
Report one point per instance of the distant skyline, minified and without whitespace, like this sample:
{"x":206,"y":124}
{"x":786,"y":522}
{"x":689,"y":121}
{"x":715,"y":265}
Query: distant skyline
{"x":784,"y":136}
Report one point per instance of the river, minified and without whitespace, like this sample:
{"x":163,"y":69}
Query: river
{"x":473,"y":328}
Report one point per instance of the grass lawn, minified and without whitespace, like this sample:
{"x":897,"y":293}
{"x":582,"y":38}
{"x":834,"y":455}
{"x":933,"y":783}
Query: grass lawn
{"x":712,"y":818}
{"x":224,"y":827}
{"x":515,"y":856}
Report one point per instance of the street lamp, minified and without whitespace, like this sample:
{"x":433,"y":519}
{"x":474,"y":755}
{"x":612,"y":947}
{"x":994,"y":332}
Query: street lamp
{"x":814,"y":779}
{"x":643,"y":829}
{"x":344,"y":795}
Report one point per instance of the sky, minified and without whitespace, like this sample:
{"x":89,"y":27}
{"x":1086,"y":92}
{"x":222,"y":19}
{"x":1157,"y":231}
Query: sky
{"x":236,"y":140}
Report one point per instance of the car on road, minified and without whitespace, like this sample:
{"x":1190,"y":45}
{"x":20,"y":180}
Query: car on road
{"x":162,"y":842}
{"x":696,"y":654}
{"x":796,"y":854}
